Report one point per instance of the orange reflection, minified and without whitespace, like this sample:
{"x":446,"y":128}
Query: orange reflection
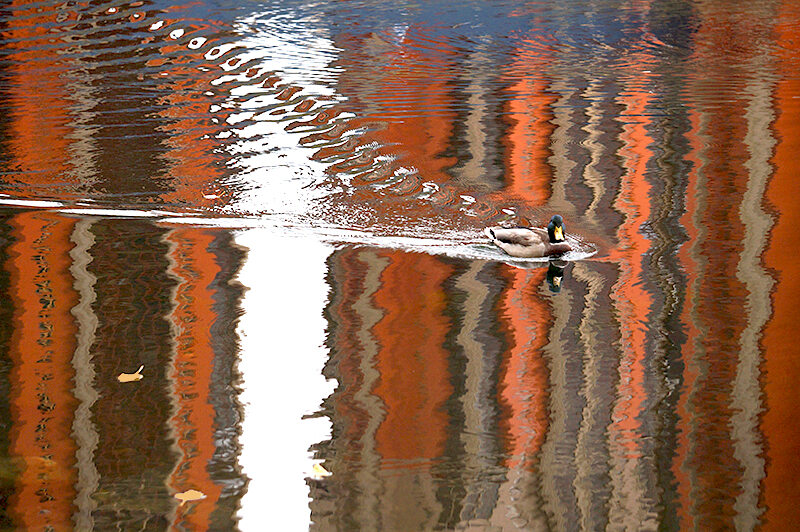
{"x":388,"y":333}
{"x":412,"y":363}
{"x":717,"y":464}
{"x":633,"y":306}
{"x":782,"y":365}
{"x":195,"y":268}
{"x":196,"y":163}
{"x":39,"y":126}
{"x":527,"y":317}
{"x":527,"y":320}
{"x":41,"y":349}
{"x":528,"y":172}
{"x":399,"y":119}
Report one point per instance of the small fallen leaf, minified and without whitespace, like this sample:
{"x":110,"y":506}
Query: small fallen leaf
{"x":130,"y":377}
{"x":318,"y":472}
{"x":189,"y":496}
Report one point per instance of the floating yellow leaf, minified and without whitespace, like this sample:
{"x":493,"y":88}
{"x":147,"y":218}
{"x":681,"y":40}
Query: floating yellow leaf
{"x":130,"y":377}
{"x":318,"y":472}
{"x":189,"y":496}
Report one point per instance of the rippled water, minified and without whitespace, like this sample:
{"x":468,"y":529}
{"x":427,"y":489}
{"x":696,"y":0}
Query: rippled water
{"x":275,"y":210}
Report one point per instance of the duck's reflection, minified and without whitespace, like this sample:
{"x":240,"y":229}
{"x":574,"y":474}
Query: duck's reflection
{"x":555,"y":274}
{"x":555,"y":271}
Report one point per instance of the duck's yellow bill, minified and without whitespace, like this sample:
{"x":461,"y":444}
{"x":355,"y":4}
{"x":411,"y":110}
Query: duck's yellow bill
{"x":559,"y":232}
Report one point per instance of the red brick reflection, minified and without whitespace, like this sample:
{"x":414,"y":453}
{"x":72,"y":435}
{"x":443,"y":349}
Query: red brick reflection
{"x":412,"y":363}
{"x":41,"y":350}
{"x":526,"y":319}
{"x":713,"y":299}
{"x":782,"y":365}
{"x":399,"y":120}
{"x":196,"y":164}
{"x":529,"y":174}
{"x":388,"y":353}
{"x":712,"y":456}
{"x":193,"y":359}
{"x":39,"y":123}
{"x":630,"y":298}
{"x":525,"y":316}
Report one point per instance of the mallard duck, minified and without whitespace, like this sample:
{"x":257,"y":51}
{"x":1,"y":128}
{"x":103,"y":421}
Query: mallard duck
{"x":530,"y":242}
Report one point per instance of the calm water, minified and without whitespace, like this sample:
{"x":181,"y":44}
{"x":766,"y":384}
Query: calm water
{"x":274,"y":209}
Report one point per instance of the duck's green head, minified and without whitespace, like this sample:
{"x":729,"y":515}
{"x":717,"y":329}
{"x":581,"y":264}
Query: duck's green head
{"x":555,"y":229}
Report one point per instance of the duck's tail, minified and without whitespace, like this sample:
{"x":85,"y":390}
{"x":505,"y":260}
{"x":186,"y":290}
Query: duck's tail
{"x":488,"y":232}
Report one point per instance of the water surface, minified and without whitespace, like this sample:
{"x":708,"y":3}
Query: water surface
{"x":276,"y":209}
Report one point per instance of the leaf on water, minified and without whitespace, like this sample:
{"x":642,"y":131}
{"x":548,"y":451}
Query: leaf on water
{"x":130,"y":377}
{"x":189,"y":496}
{"x":318,"y":472}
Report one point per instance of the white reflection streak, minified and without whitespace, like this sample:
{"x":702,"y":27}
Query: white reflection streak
{"x":282,"y":353}
{"x":273,"y":167}
{"x":746,"y":386}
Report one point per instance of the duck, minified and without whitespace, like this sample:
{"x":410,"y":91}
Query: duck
{"x":531,"y":242}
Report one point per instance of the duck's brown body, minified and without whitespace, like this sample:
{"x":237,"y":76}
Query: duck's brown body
{"x":526,"y":242}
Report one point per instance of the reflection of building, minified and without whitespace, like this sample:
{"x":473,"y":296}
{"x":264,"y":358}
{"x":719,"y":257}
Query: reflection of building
{"x":633,"y":501}
{"x":401,"y":147}
{"x":657,"y":385}
{"x":528,"y":174}
{"x":651,"y":376}
{"x":391,"y":423}
{"x":781,"y":366}
{"x":81,"y":125}
{"x":526,"y":321}
{"x":384,"y":315}
{"x":41,"y":377}
{"x":38,"y":145}
{"x":91,"y":300}
{"x":726,"y":304}
{"x":193,"y":422}
{"x":194,"y":162}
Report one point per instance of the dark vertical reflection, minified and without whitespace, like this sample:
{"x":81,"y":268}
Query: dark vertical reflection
{"x":133,"y":303}
{"x":475,"y":444}
{"x":597,"y":331}
{"x":355,"y":413}
{"x":9,"y":461}
{"x":667,"y":276}
{"x":222,"y":466}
